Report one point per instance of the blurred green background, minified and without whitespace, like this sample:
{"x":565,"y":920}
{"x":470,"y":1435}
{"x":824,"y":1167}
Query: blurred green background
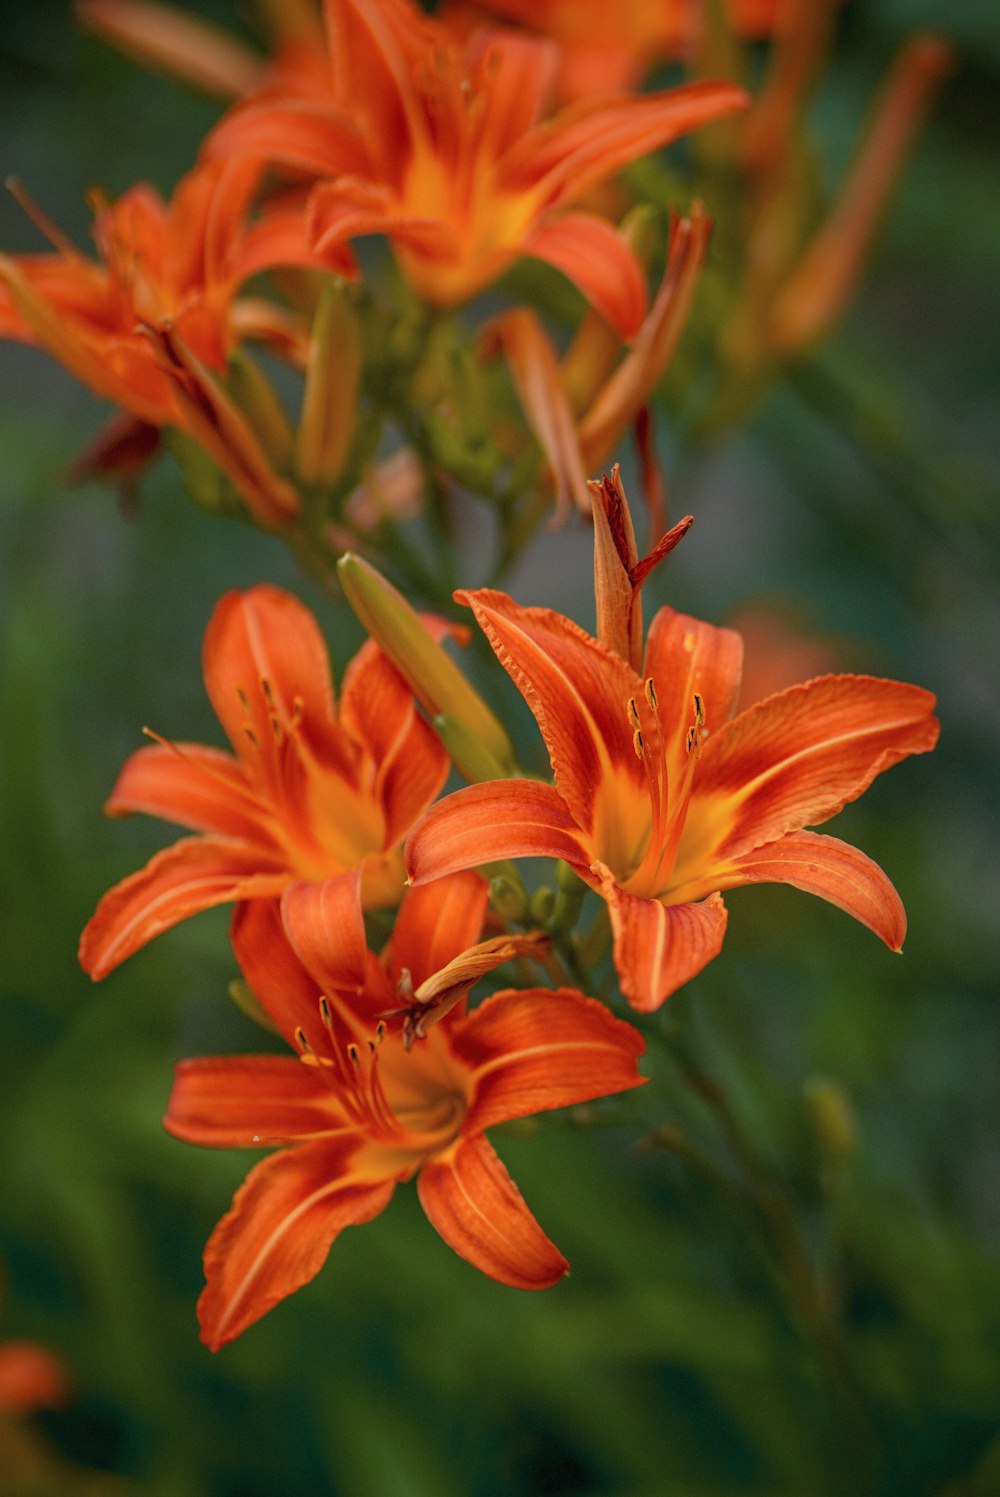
{"x":863,"y":492}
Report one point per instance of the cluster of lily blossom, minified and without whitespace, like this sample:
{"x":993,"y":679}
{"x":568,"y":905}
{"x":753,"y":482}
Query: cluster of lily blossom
{"x":468,"y":146}
{"x":663,"y":797}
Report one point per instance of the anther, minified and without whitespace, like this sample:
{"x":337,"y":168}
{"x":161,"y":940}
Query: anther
{"x":268,"y":694}
{"x":244,"y":699}
{"x":379,"y":1032}
{"x":277,"y":729}
{"x":352,"y":1054}
{"x":252,"y":737}
{"x":301,"y":1040}
{"x":298,"y":711}
{"x":699,"y":710}
{"x":650,"y":691}
{"x":639,"y":743}
{"x":324,"y":1011}
{"x":633,"y":713}
{"x":692,"y":734}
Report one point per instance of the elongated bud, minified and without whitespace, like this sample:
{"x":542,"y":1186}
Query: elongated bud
{"x":509,"y":898}
{"x":434,"y":678}
{"x":171,"y":42}
{"x":469,"y":754}
{"x":816,"y":293}
{"x":254,"y":394}
{"x":331,"y":388}
{"x":833,"y":1119}
{"x":596,"y":347}
{"x":616,"y":406}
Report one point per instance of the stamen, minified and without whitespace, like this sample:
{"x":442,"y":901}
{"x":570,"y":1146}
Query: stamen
{"x":252,"y":736}
{"x":699,"y":710}
{"x":302,"y":1040}
{"x":650,"y":691}
{"x":633,"y":712}
{"x":324,"y":1011}
{"x":266,"y":691}
{"x":277,"y":730}
{"x":244,"y":699}
{"x":639,"y":744}
{"x":352,"y":1054}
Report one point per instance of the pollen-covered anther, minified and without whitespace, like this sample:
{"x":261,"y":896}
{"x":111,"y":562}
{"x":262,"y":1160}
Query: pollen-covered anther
{"x":244,"y":700}
{"x":302,"y":1040}
{"x":650,"y":691}
{"x":353,"y":1055}
{"x":324,"y":1012}
{"x":639,"y":744}
{"x":699,"y":710}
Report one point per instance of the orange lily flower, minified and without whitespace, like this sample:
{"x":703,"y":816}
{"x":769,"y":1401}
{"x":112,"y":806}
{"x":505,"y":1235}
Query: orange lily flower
{"x":611,"y":47}
{"x":445,"y":146}
{"x":165,"y":270}
{"x":315,"y":791}
{"x":361,"y":1111}
{"x":663,"y":798}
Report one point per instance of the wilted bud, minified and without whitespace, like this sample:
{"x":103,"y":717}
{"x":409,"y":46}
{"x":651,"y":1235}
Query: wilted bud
{"x":434,"y":678}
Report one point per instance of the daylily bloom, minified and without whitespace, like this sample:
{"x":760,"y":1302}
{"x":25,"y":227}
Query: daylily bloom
{"x":445,"y":145}
{"x":663,"y":798}
{"x":609,"y":47}
{"x":150,"y":324}
{"x":360,"y":1111}
{"x":316,"y":789}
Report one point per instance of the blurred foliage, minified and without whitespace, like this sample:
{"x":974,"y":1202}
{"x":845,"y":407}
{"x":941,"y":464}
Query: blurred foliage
{"x":674,"y":1360}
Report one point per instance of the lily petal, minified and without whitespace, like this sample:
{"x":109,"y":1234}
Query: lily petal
{"x":484,"y":823}
{"x":436,"y":923}
{"x":578,"y":692}
{"x":246,"y":1101}
{"x":685,"y":656}
{"x":266,"y":636}
{"x":326,"y":928}
{"x":591,"y":141}
{"x":659,"y":947}
{"x":193,"y":875}
{"x":190,"y":785}
{"x":377,"y":710}
{"x":277,"y":1234}
{"x":599,"y":261}
{"x":476,"y":1207}
{"x":534,"y":369}
{"x":832,"y":869}
{"x":287,"y":993}
{"x":535,"y":1049}
{"x":797,"y":758}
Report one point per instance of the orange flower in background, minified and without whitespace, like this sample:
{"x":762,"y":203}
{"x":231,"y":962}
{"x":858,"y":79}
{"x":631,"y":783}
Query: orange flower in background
{"x":607,"y":47}
{"x":151,"y":323}
{"x":361,"y":1111}
{"x":316,"y":788}
{"x":445,"y":146}
{"x":662,"y":798}
{"x":176,"y":266}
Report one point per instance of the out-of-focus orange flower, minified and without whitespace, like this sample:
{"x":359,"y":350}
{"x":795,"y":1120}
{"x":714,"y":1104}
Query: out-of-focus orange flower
{"x":177,"y":265}
{"x":30,"y":1378}
{"x":361,"y":1109}
{"x":150,"y":324}
{"x":446,"y":146}
{"x":606,"y":47}
{"x":317,"y":789}
{"x":663,"y":798}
